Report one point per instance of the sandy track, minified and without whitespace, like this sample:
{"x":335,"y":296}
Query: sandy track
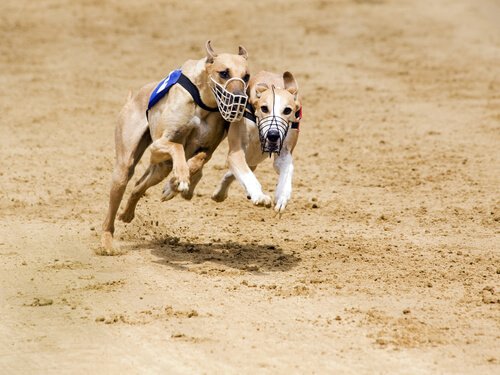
{"x":387,"y":260}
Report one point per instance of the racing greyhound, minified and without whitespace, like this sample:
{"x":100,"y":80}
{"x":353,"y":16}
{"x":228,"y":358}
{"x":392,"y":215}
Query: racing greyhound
{"x":204,"y":96}
{"x":271,"y":126}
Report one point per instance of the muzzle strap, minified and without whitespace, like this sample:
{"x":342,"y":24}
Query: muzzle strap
{"x":195,"y":93}
{"x":298,"y":116}
{"x":250,"y":113}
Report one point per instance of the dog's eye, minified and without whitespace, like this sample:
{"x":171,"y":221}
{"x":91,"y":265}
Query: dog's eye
{"x":246,"y":77}
{"x":264,"y":109}
{"x":287,"y":111}
{"x":224,"y":74}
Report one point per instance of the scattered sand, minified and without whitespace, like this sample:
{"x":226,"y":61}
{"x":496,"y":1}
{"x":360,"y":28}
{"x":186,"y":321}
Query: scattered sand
{"x":387,"y":259}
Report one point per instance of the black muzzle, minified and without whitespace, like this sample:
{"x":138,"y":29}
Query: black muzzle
{"x":272,"y":133}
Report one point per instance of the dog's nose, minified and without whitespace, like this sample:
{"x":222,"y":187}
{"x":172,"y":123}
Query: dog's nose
{"x":273,"y":136}
{"x":239,"y":92}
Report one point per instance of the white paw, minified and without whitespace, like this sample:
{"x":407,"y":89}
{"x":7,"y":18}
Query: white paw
{"x":261,"y":200}
{"x":281,"y":198}
{"x":183,"y":186}
{"x":281,"y":203}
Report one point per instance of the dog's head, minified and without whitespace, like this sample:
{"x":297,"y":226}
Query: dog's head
{"x":228,"y":76}
{"x":275,"y":109}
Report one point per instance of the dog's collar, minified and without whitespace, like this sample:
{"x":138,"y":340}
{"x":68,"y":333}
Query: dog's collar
{"x":250,"y":115}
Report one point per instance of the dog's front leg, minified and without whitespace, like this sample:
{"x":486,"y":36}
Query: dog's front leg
{"x":240,"y":169}
{"x":161,"y":150}
{"x":283,"y":165}
{"x":195,"y":165}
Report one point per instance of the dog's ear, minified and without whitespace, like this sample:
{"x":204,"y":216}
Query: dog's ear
{"x":211,"y":55}
{"x":291,"y":84}
{"x":260,"y":88}
{"x":242,"y":52}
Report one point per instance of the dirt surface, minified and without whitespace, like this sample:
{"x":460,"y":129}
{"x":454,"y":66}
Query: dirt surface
{"x":387,"y":259}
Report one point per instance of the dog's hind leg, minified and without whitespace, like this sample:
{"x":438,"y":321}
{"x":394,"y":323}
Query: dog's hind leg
{"x":131,"y":140}
{"x":127,"y":156}
{"x":153,"y":175}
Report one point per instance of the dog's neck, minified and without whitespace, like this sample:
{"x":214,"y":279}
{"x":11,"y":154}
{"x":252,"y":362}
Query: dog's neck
{"x":206,"y":94}
{"x":198,"y":75}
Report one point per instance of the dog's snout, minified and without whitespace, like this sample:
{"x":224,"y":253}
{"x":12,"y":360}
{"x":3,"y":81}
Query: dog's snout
{"x":273,"y":135}
{"x":236,"y":86}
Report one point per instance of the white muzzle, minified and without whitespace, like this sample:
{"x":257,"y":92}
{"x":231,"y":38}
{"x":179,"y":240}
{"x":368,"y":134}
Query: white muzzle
{"x":231,"y":106}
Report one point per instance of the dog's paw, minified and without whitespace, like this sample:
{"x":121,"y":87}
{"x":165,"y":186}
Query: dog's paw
{"x":107,"y":241}
{"x":126,"y":216}
{"x":187,"y":195}
{"x":219,"y":195}
{"x":261,"y":200}
{"x":282,"y":196}
{"x":280,"y":205}
{"x":169,"y":191}
{"x":178,"y":185}
{"x":167,"y":194}
{"x":180,"y":180}
{"x":183,"y":187}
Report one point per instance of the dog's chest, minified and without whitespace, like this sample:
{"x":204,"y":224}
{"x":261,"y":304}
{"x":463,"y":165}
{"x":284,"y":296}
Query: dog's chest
{"x":204,"y":123}
{"x":207,"y":131}
{"x":253,"y":151}
{"x":196,"y":121}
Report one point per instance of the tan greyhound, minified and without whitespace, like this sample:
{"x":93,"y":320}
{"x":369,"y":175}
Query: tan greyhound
{"x":271,"y":129}
{"x":188,"y":123}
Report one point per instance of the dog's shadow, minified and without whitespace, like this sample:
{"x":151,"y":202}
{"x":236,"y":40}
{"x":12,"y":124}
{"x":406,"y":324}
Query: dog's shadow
{"x":251,"y":257}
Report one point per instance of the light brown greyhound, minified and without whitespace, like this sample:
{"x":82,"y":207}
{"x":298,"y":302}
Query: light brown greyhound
{"x":274,"y":130}
{"x":176,"y":128}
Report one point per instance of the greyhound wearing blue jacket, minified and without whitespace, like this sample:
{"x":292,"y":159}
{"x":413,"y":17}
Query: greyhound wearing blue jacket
{"x":183,"y":128}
